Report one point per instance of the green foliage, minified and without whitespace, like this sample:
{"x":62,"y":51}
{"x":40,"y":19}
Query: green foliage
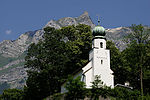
{"x":136,"y":58}
{"x":76,"y":89}
{"x":12,"y":94}
{"x":56,"y":96}
{"x":132,"y":64}
{"x":97,"y":83}
{"x":99,"y":89}
{"x":51,"y":60}
{"x":124,"y":94}
{"x":116,"y":63}
{"x":146,"y":97}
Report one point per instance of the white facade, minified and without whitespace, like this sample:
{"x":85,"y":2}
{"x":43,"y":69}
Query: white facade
{"x":99,"y":64}
{"x":100,"y":58}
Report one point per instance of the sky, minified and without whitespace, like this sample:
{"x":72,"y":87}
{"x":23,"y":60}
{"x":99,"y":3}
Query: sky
{"x":20,"y":16}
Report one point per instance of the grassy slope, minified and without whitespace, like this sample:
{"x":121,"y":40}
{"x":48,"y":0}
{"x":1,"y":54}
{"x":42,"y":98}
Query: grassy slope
{"x":4,"y":61}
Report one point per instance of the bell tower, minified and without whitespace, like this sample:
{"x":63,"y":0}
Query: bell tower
{"x":100,"y":57}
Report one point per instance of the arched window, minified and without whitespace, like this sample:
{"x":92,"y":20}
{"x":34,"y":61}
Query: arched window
{"x":101,"y":45}
{"x":101,"y":61}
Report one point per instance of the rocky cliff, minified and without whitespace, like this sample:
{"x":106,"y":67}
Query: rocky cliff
{"x":12,"y":53}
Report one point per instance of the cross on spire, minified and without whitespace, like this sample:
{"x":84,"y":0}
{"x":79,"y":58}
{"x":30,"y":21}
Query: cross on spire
{"x":98,"y":19}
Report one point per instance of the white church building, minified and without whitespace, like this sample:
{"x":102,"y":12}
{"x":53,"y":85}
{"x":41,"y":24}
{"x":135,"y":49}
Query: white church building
{"x":99,"y":62}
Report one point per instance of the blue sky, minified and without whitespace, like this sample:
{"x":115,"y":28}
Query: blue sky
{"x":19,"y":16}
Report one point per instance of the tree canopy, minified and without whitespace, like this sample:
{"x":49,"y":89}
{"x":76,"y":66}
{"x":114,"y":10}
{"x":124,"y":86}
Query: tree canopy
{"x":76,"y":89}
{"x":51,"y":60}
{"x":136,"y":57}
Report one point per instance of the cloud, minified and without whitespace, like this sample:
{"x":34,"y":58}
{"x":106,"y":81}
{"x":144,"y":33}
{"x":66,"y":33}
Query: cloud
{"x":8,"y":32}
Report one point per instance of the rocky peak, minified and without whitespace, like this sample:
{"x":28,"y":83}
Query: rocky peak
{"x":82,"y":19}
{"x":38,"y":35}
{"x":67,"y":21}
{"x":52,"y":23}
{"x":85,"y":13}
{"x":15,"y":48}
{"x":117,"y":35}
{"x":85,"y":19}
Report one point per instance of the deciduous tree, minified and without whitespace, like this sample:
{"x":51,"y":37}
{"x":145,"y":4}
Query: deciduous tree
{"x":61,"y":52}
{"x":135,"y":55}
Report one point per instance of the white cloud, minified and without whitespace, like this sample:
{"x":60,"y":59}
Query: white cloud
{"x":8,"y":32}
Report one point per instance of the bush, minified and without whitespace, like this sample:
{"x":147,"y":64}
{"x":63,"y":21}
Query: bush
{"x":12,"y":94}
{"x":76,"y":89}
{"x":124,"y":94}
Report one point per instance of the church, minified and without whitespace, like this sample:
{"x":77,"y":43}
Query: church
{"x":99,"y":62}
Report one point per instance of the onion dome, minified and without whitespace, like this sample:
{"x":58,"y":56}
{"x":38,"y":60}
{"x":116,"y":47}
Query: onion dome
{"x":99,"y":31}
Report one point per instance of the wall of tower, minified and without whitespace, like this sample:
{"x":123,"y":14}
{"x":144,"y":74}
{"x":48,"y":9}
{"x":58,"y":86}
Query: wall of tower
{"x":101,"y":62}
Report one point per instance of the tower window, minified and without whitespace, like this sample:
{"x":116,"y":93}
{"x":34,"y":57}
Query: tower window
{"x":101,"y":61}
{"x":101,"y":44}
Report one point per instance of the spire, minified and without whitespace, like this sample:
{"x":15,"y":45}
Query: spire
{"x":98,"y":20}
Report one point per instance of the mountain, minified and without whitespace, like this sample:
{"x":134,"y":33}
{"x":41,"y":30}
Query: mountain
{"x":12,"y":53}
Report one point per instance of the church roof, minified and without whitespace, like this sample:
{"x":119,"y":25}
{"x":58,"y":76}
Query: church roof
{"x":77,"y":71}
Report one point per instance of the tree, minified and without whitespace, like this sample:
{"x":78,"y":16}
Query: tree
{"x":99,"y":89}
{"x":76,"y":89}
{"x":116,"y":63}
{"x":45,"y":61}
{"x":78,"y":45}
{"x":12,"y":94}
{"x":51,"y":60}
{"x":131,"y":63}
{"x":120,"y":93}
{"x":135,"y":54}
